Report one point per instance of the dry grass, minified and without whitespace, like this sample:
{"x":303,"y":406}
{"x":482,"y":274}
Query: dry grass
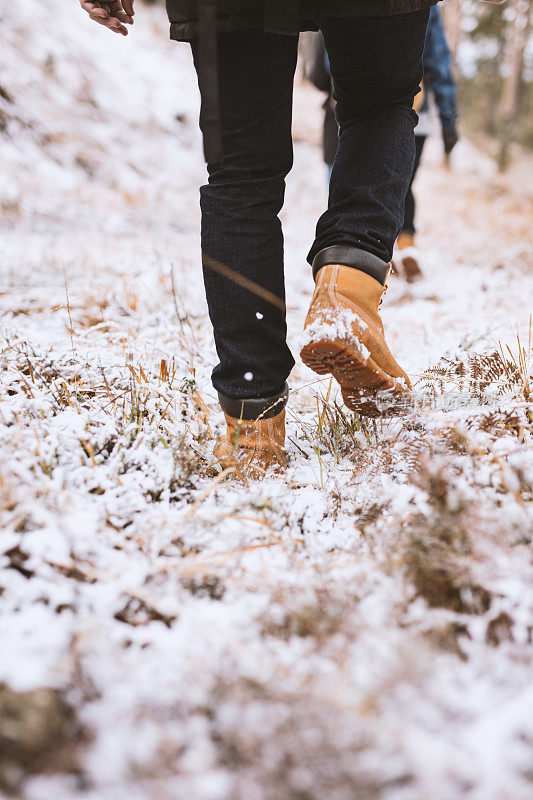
{"x":149,"y":427}
{"x":439,"y":550}
{"x":39,"y":732}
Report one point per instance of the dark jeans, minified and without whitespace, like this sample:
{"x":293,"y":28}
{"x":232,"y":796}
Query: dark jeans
{"x":376,"y":65}
{"x":410,"y":205}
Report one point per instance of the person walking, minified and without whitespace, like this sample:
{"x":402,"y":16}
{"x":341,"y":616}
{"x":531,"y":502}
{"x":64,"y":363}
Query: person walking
{"x":439,"y":84}
{"x":375,"y":49}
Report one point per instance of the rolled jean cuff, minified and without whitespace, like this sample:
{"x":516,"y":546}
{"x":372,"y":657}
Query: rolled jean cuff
{"x":349,"y":256}
{"x":261,"y":407}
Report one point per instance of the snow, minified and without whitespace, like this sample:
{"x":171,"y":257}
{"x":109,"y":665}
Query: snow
{"x":336,"y":325}
{"x":276,"y":639}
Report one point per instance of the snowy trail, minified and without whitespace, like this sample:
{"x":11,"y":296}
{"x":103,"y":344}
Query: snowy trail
{"x":362,"y":629}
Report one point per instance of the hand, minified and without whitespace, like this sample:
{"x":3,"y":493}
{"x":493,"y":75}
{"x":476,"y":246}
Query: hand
{"x":450,"y":138}
{"x":114,"y":14}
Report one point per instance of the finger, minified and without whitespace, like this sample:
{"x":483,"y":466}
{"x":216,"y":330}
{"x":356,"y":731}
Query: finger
{"x":98,"y":17}
{"x":95,"y":11}
{"x":90,"y":7}
{"x":112,"y":23}
{"x":123,"y":17}
{"x":115,"y":25}
{"x":116,"y":8}
{"x":119,"y":7}
{"x":103,"y":16}
{"x":117,"y":11}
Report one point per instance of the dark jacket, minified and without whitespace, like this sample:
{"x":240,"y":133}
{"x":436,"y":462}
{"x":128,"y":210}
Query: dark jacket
{"x":438,"y":75}
{"x":281,"y":16}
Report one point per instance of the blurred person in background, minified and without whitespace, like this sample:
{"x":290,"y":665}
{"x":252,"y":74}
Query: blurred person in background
{"x":438,"y":84}
{"x":320,"y":76}
{"x":245,"y":53}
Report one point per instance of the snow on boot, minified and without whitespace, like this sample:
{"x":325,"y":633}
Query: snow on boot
{"x":408,"y":258}
{"x":253,"y":447}
{"x":344,"y":336}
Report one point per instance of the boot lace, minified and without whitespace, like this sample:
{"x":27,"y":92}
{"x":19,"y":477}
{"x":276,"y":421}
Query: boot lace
{"x":385,"y":285}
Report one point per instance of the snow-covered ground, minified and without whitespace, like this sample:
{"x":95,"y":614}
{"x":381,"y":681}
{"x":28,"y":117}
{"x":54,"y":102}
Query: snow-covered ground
{"x":360,"y":629}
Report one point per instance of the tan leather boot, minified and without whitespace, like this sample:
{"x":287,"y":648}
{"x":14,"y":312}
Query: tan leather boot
{"x":407,"y":259}
{"x":344,"y":336}
{"x":252,"y":447}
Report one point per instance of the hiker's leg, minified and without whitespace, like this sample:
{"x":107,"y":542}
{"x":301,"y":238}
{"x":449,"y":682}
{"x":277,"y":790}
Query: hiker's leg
{"x":376,"y":64}
{"x":242,"y":241}
{"x":410,"y":203}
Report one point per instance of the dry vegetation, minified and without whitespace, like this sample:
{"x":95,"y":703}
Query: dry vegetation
{"x":362,"y":628}
{"x":320,"y":581}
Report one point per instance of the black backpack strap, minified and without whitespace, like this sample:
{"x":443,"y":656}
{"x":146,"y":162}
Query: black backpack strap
{"x":210,"y":122}
{"x":281,"y":16}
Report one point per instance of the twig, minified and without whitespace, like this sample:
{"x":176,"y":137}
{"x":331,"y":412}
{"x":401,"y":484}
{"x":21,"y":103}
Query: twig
{"x":68,"y":311}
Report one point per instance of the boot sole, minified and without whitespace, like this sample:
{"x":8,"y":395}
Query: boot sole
{"x":360,"y":379}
